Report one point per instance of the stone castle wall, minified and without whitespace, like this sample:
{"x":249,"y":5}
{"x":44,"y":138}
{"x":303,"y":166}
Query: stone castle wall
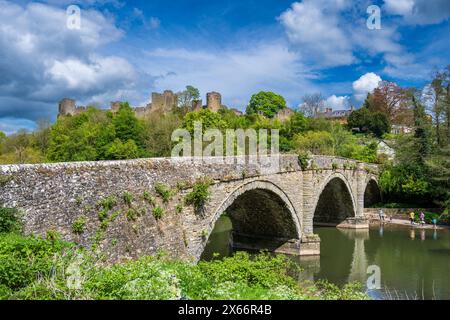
{"x":214,"y":101}
{"x":161,"y":103}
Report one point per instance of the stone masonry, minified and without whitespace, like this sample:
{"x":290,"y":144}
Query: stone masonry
{"x":276,"y":209}
{"x":162,"y":103}
{"x":214,"y":101}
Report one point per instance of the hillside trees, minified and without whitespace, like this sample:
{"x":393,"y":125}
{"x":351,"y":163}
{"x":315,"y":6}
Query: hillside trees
{"x":368,"y":121}
{"x":97,"y":135}
{"x":266,"y":104}
{"x":187,"y":97}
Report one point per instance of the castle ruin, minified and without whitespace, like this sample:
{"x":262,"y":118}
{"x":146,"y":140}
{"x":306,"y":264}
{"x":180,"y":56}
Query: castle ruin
{"x":214,"y":101}
{"x":161,"y":103}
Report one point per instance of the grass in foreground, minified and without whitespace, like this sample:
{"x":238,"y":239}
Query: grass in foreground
{"x":35,"y":268}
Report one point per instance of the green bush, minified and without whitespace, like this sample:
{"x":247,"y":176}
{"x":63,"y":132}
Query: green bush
{"x":127,"y":198}
{"x":158,"y":212}
{"x":10,"y":220}
{"x":303,"y":160}
{"x":108,"y":203}
{"x":32,"y":268}
{"x":164,"y":192}
{"x":78,"y":225}
{"x":23,"y":259}
{"x":147,"y":197}
{"x":200,"y":194}
{"x":102,"y":215}
{"x":132,"y":214}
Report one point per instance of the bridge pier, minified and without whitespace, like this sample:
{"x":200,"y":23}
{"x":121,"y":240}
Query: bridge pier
{"x":307,"y":246}
{"x":354,"y":223}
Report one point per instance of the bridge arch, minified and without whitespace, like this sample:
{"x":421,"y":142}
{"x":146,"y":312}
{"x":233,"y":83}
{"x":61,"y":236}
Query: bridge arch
{"x":263,"y":217}
{"x":335,"y":200}
{"x":372,"y":192}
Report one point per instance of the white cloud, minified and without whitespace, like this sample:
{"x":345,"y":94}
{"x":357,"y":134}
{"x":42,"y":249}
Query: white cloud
{"x":399,"y":7}
{"x":42,"y":61}
{"x":314,"y":29}
{"x":98,"y":72}
{"x":333,"y":33}
{"x":365,"y":84}
{"x":150,"y":23}
{"x":420,"y":12}
{"x":236,"y":73}
{"x":337,"y":102}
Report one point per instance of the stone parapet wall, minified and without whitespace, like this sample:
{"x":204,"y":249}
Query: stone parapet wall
{"x":54,"y":196}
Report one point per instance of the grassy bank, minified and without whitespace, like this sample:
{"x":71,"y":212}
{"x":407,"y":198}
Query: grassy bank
{"x":48,"y":269}
{"x":51,"y":269}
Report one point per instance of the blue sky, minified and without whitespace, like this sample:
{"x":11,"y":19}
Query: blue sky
{"x":124,"y":50}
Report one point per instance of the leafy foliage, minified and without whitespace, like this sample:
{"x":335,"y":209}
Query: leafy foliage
{"x":369,"y":121}
{"x":200,"y":193}
{"x":158,"y":212}
{"x":97,"y":135}
{"x":33,"y":268}
{"x":23,"y":259}
{"x":127,"y":198}
{"x":164,"y":191}
{"x":10,"y":221}
{"x":208,"y":118}
{"x":79,"y":224}
{"x":266,"y":104}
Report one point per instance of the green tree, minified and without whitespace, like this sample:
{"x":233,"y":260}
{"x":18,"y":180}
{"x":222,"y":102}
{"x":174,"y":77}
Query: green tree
{"x":295,"y":125}
{"x":158,"y":133}
{"x":266,"y":104}
{"x":235,"y":121}
{"x":316,"y":142}
{"x":119,"y":150}
{"x":187,"y":97}
{"x":18,"y":148}
{"x":128,"y":127}
{"x":422,"y":133}
{"x":365,"y":120}
{"x":208,"y":118}
{"x":82,"y":137}
{"x":2,"y":141}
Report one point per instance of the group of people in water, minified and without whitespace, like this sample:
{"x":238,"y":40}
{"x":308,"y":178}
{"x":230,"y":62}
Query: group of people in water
{"x":412,"y":218}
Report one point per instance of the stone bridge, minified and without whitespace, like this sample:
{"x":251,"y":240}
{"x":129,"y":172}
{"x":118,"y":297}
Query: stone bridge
{"x":113,"y":203}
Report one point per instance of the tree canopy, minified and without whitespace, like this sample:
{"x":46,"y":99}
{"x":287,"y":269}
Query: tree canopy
{"x":266,"y":103}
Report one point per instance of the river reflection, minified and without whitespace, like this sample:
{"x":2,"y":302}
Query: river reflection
{"x":414,"y":263}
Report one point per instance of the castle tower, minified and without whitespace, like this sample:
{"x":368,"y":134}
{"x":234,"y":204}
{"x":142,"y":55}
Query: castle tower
{"x":197,"y":105}
{"x":67,"y":107}
{"x":164,"y":102}
{"x":115,"y":106}
{"x":170,"y":100}
{"x":213,"y":101}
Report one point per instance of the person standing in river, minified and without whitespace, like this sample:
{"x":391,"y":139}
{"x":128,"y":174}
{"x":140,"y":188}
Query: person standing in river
{"x":422,"y":218}
{"x":434,"y":223}
{"x":412,"y":216}
{"x":381,"y":214}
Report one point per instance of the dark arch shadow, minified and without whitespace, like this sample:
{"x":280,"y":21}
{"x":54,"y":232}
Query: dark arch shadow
{"x":261,"y":220}
{"x":372,"y":194}
{"x":335,"y":204}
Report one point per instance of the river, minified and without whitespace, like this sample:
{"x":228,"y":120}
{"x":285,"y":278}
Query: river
{"x":413,"y":263}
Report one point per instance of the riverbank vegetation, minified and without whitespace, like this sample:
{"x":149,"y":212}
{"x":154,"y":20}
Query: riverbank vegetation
{"x":49,"y":268}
